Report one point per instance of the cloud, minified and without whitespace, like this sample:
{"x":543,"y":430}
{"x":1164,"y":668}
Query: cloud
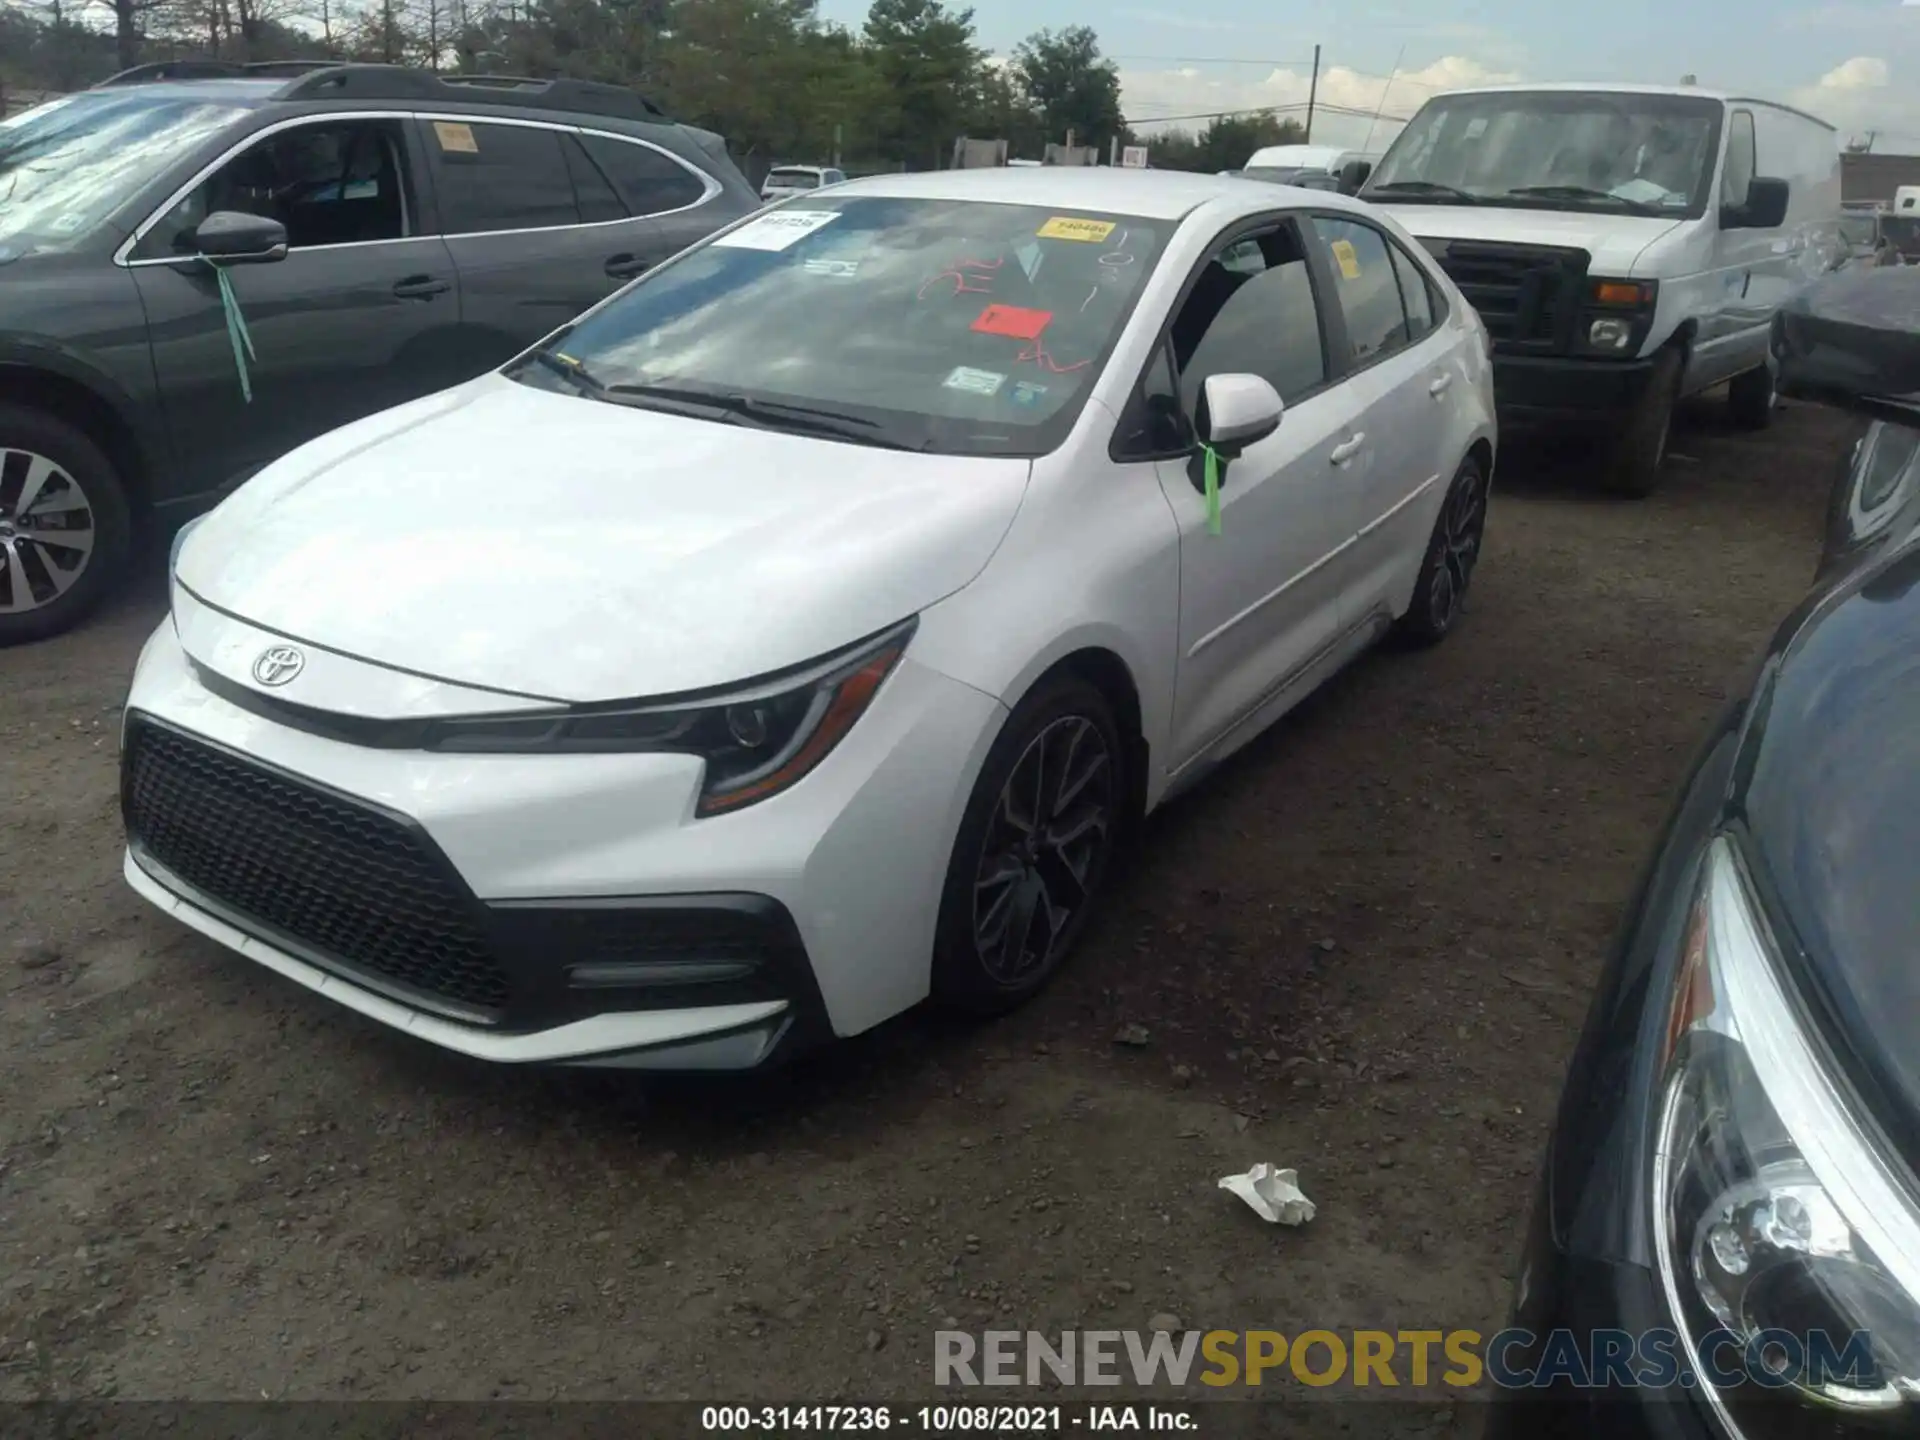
{"x":1194,"y":90}
{"x":1857,"y":95}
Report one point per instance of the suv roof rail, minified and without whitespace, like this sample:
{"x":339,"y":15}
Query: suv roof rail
{"x":270,"y":68}
{"x":173,"y":70}
{"x":401,"y":82}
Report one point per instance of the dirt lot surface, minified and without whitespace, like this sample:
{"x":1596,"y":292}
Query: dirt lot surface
{"x":1363,"y":950}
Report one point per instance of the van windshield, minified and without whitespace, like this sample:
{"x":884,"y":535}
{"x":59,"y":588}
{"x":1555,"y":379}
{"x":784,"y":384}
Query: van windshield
{"x":67,"y":165}
{"x":1556,"y":149}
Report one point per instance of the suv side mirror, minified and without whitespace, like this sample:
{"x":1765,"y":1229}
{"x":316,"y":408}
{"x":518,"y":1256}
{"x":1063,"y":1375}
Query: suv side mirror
{"x":1353,"y":175}
{"x":1765,"y":207}
{"x":1237,"y":411}
{"x":237,"y":238}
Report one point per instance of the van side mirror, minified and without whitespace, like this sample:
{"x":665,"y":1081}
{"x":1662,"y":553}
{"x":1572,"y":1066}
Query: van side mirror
{"x":1765,"y":207}
{"x":1353,"y":175}
{"x":1237,"y":411}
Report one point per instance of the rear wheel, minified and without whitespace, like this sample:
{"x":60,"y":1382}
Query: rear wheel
{"x":64,"y":525}
{"x":1033,"y":850}
{"x":1634,"y":466}
{"x":1440,"y":589}
{"x":1751,"y":398}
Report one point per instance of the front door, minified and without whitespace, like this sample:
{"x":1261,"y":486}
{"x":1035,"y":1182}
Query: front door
{"x":361,"y":314}
{"x":1260,"y":600}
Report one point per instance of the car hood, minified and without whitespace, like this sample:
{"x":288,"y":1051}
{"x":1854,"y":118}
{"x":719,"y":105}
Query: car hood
{"x":547,"y":545}
{"x":1831,"y":809}
{"x":1612,"y":241}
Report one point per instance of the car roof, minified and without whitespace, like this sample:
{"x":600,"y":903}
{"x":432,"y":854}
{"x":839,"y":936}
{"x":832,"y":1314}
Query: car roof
{"x":1149,"y":194}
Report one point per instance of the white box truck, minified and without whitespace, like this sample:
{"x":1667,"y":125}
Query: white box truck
{"x":1626,"y":245}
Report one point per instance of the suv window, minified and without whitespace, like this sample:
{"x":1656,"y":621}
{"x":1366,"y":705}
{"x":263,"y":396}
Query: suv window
{"x":1251,"y":311}
{"x":1364,"y":281}
{"x":591,"y":189}
{"x":649,"y":180}
{"x":330,"y":183}
{"x":1739,"y":172}
{"x":499,"y":177}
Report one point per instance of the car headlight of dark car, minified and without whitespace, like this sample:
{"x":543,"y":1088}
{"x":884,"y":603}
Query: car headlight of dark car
{"x":756,"y":742}
{"x":1787,"y":1240}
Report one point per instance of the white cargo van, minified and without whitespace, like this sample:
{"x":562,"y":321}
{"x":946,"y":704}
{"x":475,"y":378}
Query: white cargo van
{"x":1313,"y":166}
{"x":1625,"y":245}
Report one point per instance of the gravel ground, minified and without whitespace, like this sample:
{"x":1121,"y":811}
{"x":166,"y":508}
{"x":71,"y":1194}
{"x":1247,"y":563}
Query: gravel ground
{"x":1363,"y":949}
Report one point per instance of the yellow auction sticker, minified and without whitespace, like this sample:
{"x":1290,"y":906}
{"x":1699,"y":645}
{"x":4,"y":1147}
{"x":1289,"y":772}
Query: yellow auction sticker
{"x":1348,"y":257}
{"x":455,"y":138}
{"x":1068,"y":227}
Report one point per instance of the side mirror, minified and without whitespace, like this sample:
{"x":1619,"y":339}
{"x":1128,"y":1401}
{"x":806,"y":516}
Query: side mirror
{"x":1765,"y":207}
{"x":236,"y":238}
{"x":1353,"y":175}
{"x":1237,"y":411}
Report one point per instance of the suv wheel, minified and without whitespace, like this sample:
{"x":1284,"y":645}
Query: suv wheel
{"x":64,"y":525}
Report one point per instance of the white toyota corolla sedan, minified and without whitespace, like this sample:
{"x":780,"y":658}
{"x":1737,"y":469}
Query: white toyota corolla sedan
{"x":793,"y":636}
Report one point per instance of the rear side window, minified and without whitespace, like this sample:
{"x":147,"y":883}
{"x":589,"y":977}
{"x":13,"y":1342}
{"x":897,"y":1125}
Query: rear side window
{"x":1367,"y":287}
{"x":499,"y":177}
{"x":649,"y":180}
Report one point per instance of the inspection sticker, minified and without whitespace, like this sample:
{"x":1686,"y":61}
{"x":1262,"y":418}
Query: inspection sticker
{"x":1012,"y":322}
{"x":975,"y":382}
{"x":1071,"y":227}
{"x":844,"y":269}
{"x":1348,"y":257}
{"x":778,"y":230}
{"x":1025,"y":392}
{"x":455,"y":138}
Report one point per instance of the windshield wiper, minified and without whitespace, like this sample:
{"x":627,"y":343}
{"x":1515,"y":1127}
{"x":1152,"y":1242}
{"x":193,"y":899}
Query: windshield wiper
{"x":1411,"y":189}
{"x":771,"y":414}
{"x":1584,"y":192}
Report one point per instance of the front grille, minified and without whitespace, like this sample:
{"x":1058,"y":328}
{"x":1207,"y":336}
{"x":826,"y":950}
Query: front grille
{"x":355,"y":886}
{"x":1528,"y":295}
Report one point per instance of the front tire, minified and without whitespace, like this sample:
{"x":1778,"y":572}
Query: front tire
{"x":1440,"y":589}
{"x":65,"y":529}
{"x":1034,"y":848}
{"x":1633,"y":469}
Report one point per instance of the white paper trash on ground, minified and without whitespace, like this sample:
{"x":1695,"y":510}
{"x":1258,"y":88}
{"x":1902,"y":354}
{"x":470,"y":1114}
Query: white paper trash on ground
{"x":1273,"y":1193}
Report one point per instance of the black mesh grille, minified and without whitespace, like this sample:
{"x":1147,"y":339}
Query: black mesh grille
{"x":1528,"y":295}
{"x":352,"y":884}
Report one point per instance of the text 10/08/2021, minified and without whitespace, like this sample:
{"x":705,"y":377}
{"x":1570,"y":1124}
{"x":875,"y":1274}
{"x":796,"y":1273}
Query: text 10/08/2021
{"x":943,"y":1419}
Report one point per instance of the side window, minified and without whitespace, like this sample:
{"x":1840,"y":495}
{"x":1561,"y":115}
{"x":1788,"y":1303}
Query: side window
{"x":499,"y":177}
{"x":1739,"y":171}
{"x":337,"y":183}
{"x":1415,"y":292}
{"x":1251,"y":312}
{"x":650,"y":181}
{"x":592,"y":191}
{"x":1364,"y":281}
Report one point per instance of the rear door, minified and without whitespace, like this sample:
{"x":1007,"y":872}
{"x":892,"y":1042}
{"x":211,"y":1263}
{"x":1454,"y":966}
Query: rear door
{"x":536,"y":229}
{"x":362,"y":313}
{"x":1402,"y":366}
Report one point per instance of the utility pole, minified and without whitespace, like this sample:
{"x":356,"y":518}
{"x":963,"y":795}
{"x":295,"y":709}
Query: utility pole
{"x":1313,"y":91}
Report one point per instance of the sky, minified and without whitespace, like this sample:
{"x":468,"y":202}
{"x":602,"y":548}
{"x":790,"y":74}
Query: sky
{"x":1854,"y":64}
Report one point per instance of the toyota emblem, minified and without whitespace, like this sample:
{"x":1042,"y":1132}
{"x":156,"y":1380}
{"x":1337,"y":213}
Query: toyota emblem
{"x":278,"y":664}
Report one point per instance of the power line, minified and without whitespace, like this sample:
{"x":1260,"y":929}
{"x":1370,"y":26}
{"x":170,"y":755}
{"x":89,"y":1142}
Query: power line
{"x":1323,"y":106}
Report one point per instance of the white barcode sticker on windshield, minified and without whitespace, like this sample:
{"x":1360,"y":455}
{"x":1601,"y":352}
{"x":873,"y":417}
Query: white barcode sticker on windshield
{"x":777,"y":230}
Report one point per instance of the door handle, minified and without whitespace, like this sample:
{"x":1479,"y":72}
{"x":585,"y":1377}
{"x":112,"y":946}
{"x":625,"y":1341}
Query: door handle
{"x":625,"y":267}
{"x":421,"y":287}
{"x":1347,"y":449}
{"x":1438,"y":385}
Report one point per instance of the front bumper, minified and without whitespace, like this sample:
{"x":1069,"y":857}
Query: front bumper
{"x":1539,"y":387}
{"x":556,"y":908}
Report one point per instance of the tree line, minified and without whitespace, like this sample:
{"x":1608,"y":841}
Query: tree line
{"x":767,"y":74}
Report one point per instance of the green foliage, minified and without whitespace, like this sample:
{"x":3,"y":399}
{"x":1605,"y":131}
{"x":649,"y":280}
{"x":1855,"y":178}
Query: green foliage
{"x":1070,"y":86}
{"x":1224,"y":144}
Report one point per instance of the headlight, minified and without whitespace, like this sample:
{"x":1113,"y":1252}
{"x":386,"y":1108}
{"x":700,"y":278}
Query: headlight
{"x":1788,"y":1242}
{"x":1610,"y":333}
{"x":1617,"y":314}
{"x":756,"y":742}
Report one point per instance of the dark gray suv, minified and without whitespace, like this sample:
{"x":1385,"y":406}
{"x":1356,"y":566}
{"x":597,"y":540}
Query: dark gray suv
{"x":202,"y":266}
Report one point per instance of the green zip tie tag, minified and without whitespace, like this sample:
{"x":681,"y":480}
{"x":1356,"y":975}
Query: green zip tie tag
{"x":237,"y":334}
{"x":1213,"y":488}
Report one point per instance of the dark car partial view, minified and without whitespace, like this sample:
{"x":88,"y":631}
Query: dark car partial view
{"x":1729,"y":1207}
{"x":379,"y":232}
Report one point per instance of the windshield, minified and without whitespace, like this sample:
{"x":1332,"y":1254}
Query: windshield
{"x":1562,"y":150}
{"x":793,"y":179}
{"x":67,"y":165}
{"x":959,"y":327}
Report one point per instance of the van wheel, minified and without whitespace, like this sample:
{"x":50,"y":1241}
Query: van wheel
{"x":1751,"y":398}
{"x":64,"y":525}
{"x":1633,"y":469}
